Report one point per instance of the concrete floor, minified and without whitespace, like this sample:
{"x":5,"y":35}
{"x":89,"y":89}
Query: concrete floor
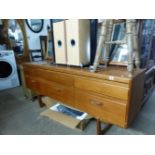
{"x":19,"y":116}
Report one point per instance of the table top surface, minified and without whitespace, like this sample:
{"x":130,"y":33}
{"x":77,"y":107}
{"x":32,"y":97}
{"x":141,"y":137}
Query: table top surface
{"x":114,"y":73}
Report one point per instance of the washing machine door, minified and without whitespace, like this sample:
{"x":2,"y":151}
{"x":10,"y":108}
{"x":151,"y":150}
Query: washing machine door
{"x":6,"y":69}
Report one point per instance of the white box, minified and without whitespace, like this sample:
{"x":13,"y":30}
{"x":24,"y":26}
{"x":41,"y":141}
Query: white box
{"x":60,"y":42}
{"x":78,"y":42}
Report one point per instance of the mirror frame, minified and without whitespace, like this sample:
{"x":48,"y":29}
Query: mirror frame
{"x":25,"y":56}
{"x":42,"y":25}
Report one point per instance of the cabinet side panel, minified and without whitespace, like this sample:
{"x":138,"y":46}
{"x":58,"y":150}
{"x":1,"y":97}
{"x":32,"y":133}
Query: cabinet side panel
{"x":136,"y":94}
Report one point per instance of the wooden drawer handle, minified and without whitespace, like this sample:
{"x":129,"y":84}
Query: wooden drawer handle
{"x":94,"y":102}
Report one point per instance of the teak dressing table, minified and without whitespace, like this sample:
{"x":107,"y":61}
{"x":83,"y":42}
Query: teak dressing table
{"x":109,"y":95}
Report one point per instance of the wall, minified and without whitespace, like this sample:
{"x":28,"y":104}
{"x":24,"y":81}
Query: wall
{"x":33,"y":38}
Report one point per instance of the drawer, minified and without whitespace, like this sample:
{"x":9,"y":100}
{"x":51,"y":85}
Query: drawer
{"x":60,"y":78}
{"x":109,"y":88}
{"x":34,"y":84}
{"x":107,"y":110}
{"x":30,"y":71}
{"x":59,"y":92}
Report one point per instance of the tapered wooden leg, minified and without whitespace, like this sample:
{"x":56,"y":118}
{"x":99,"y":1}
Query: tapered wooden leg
{"x":101,"y":44}
{"x":129,"y":24}
{"x":136,"y":45}
{"x":108,"y":38}
{"x":41,"y":104}
{"x":99,"y":129}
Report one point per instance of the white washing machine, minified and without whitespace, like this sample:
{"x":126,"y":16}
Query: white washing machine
{"x":8,"y":70}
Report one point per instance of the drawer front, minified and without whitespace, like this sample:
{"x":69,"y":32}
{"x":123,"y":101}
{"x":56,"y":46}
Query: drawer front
{"x":105,"y":109}
{"x":30,"y":83}
{"x":29,"y":71}
{"x":34,"y":84}
{"x":51,"y":89}
{"x":60,"y":78}
{"x":59,"y":92}
{"x":112,"y":89}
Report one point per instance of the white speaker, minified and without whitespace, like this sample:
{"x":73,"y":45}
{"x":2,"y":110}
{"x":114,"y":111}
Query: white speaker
{"x":60,"y":42}
{"x":78,"y":41}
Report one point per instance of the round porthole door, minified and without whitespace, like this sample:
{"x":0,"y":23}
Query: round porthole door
{"x":6,"y":69}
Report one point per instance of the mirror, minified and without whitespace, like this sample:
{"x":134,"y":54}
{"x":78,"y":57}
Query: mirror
{"x":44,"y":48}
{"x":35,"y":25}
{"x":50,"y":48}
{"x":22,"y":55}
{"x":46,"y":43}
{"x":4,"y":42}
{"x":119,"y":52}
{"x":16,"y":37}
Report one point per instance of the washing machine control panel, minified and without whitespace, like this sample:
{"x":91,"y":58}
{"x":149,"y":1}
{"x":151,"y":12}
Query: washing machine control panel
{"x":5,"y":53}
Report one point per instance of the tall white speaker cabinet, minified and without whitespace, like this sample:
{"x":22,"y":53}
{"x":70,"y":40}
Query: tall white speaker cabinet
{"x":60,"y":42}
{"x":78,"y":42}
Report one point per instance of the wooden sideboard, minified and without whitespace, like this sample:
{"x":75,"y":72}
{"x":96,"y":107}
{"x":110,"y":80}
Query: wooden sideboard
{"x":109,"y":95}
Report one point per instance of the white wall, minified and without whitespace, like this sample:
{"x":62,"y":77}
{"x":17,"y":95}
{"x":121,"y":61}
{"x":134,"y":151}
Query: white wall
{"x":33,"y":38}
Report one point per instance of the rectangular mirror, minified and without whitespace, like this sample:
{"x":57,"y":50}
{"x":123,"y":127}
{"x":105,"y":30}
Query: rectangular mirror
{"x":47,"y":47}
{"x":119,"y":52}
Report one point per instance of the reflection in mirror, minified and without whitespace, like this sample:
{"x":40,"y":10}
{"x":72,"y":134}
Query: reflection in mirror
{"x":35,"y":25}
{"x":3,"y":38}
{"x":47,"y":46}
{"x":43,"y":43}
{"x":15,"y":37}
{"x":50,"y":45}
{"x":119,"y":52}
